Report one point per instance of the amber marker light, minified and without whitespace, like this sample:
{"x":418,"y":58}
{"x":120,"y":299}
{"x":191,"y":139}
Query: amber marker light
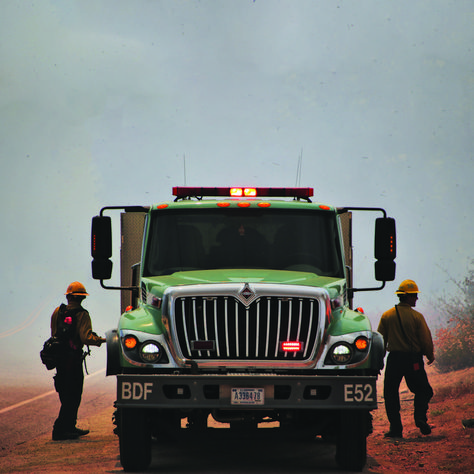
{"x":162,"y":206}
{"x":264,"y":204}
{"x":243,"y":204}
{"x":223,"y":204}
{"x":361,"y":343}
{"x":130,"y":342}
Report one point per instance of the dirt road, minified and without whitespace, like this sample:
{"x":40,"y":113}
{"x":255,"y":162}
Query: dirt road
{"x":26,"y":445}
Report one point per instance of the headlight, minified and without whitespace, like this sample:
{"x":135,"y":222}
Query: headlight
{"x":341,"y":353}
{"x":150,"y":352}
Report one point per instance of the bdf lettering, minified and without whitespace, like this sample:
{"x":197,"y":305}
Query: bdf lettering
{"x":136,"y":390}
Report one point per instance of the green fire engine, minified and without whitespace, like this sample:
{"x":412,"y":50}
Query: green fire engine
{"x":237,"y":305}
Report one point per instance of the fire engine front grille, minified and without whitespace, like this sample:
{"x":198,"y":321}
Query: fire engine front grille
{"x":222,"y":327}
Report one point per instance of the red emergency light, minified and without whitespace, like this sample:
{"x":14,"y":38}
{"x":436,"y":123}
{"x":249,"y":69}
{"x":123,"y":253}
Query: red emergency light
{"x":187,"y":191}
{"x":291,"y":346}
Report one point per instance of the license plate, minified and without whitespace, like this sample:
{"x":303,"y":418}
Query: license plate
{"x":247,"y":396}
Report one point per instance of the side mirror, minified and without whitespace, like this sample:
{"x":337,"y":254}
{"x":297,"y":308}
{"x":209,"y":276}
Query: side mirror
{"x":385,"y":249}
{"x":101,"y":269}
{"x":101,"y":247}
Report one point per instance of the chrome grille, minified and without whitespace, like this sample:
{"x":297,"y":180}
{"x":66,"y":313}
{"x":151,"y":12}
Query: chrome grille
{"x":223,"y":327}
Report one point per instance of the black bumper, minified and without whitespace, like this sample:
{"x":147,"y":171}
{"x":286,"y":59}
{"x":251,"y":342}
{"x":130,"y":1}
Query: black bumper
{"x":216,"y":391}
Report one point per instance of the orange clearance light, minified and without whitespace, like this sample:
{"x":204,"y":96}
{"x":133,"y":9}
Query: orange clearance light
{"x":223,"y":204}
{"x":291,"y":346}
{"x":243,"y":204}
{"x":130,"y":342}
{"x":361,"y":343}
{"x":162,"y":206}
{"x":264,"y":204}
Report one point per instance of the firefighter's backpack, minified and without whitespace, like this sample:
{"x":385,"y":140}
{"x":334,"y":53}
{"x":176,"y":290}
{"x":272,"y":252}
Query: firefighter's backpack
{"x":58,"y":347}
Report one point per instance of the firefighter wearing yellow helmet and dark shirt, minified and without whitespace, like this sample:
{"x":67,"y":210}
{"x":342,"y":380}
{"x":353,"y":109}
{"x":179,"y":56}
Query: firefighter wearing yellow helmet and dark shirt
{"x":407,"y":338}
{"x":72,"y":324}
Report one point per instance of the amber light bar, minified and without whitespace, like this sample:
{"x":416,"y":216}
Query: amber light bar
{"x":187,"y":191}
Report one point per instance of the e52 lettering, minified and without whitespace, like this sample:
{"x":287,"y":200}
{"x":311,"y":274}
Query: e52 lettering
{"x":359,"y":393}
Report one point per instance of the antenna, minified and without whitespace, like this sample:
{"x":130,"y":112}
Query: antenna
{"x":184,"y":167}
{"x":298,"y":168}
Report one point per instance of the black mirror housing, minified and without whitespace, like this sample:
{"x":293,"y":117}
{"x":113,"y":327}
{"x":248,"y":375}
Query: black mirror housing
{"x":101,"y":237}
{"x":101,"y":269}
{"x":385,"y":270}
{"x":385,"y":249}
{"x":385,"y":239}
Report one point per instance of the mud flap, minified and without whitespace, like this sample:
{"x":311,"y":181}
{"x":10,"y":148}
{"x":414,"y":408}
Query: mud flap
{"x":351,"y":442}
{"x":134,"y":439}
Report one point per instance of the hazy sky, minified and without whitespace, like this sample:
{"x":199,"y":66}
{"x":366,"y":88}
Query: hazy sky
{"x":101,"y":100}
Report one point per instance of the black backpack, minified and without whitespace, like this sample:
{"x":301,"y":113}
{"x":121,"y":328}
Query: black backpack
{"x":66,"y":324}
{"x":59,"y":347}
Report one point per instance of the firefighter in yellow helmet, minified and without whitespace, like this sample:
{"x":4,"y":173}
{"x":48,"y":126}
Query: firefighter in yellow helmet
{"x":407,"y":338}
{"x":71,"y":323}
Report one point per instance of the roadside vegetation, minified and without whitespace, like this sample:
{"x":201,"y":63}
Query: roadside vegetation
{"x":454,"y":339}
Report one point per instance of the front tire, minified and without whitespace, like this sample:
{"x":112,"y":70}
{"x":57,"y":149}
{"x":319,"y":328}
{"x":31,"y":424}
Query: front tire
{"x":351,"y":443}
{"x":134,"y":439}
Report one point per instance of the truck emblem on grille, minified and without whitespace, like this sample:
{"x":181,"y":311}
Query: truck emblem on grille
{"x":247,"y":295}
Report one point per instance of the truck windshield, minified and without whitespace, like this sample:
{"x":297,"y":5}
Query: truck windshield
{"x":278,"y":239}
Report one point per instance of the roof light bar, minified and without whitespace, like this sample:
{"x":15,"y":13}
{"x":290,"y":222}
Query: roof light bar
{"x":187,"y":191}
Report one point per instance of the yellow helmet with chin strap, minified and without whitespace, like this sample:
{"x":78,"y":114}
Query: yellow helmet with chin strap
{"x":406,"y":287}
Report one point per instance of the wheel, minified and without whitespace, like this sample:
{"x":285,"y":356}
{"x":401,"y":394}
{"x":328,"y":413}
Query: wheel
{"x":134,"y":439}
{"x":351,"y":441}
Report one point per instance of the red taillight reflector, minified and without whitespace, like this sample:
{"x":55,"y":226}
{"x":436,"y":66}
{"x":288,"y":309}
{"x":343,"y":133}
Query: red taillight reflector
{"x":291,"y":346}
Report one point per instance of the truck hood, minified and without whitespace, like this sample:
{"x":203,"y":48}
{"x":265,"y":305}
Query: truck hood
{"x":333,"y":285}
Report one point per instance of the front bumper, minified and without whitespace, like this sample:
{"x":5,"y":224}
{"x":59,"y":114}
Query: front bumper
{"x":214,"y":391}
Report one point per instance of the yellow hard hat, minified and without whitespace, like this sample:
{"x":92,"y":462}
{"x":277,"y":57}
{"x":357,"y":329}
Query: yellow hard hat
{"x":406,"y":287}
{"x":76,"y":288}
